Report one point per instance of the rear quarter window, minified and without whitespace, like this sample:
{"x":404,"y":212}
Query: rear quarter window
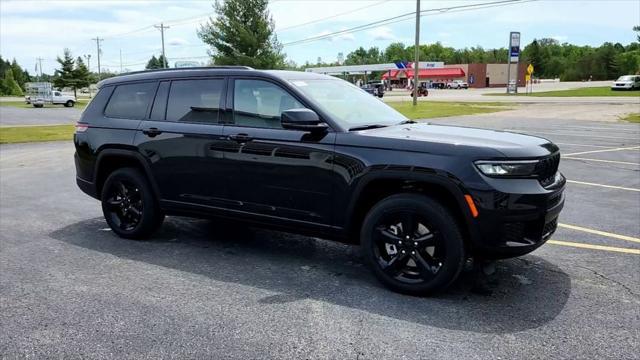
{"x":130,"y":101}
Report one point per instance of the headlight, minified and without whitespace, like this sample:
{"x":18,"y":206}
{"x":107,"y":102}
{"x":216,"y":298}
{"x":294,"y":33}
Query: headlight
{"x":519,"y":168}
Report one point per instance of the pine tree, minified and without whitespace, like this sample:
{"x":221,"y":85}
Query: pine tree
{"x":153,"y":63}
{"x":243,"y":34}
{"x":9,"y":84}
{"x":64,"y":77}
{"x":81,"y":75}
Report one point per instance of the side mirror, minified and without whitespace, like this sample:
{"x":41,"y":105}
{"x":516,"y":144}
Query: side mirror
{"x":302,"y":119}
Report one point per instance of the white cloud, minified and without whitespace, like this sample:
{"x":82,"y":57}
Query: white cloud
{"x":176,"y":41}
{"x":560,"y":38}
{"x":382,"y":33}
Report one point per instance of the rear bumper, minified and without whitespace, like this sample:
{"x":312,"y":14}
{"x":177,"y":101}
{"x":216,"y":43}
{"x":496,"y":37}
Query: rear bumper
{"x":511,"y":225}
{"x":87,"y":187}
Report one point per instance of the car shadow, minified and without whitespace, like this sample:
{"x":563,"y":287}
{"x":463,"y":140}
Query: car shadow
{"x":521,"y":294}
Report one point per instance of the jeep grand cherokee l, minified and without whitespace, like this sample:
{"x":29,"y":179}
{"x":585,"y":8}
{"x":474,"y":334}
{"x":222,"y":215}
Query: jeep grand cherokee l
{"x":313,"y":154}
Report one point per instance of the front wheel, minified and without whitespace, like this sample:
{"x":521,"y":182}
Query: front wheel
{"x":69,"y":103}
{"x":413,"y":244}
{"x":129,"y":205}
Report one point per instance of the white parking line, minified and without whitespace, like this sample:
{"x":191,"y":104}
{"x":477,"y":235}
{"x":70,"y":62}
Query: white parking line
{"x":584,"y":145}
{"x":604,"y":150}
{"x":600,"y":160}
{"x":594,"y":247}
{"x":602,"y":185}
{"x":526,"y":132}
{"x":600,"y":232}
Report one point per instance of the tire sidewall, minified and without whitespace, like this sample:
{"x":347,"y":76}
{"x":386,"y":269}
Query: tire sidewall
{"x":151,"y":216}
{"x":440,"y":218}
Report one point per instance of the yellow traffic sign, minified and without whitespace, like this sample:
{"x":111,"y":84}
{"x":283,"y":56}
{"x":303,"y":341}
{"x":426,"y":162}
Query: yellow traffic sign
{"x":527,"y":77}
{"x":530,"y":69}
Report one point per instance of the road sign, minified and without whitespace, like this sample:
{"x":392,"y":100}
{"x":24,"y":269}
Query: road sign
{"x":530,"y":69}
{"x":527,"y":77}
{"x":514,"y":46}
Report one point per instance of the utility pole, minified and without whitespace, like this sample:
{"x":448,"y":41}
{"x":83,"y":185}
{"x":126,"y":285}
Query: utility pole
{"x":40,"y":65}
{"x":88,"y":57}
{"x":416,"y":62}
{"x":164,"y":57}
{"x":120,"y":61}
{"x":98,"y":39}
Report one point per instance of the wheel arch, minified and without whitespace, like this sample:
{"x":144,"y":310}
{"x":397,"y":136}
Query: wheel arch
{"x":109,"y":160}
{"x":377,"y":186}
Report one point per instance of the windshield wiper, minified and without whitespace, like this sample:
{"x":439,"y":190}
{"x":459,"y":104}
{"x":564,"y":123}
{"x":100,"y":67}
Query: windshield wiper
{"x":408,"y":122}
{"x":367,"y":127}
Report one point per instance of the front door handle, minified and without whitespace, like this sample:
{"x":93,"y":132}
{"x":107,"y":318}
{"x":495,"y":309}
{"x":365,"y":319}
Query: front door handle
{"x":240,"y":138}
{"x":152,"y":132}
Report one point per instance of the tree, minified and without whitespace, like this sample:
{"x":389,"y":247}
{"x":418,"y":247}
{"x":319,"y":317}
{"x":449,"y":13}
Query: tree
{"x":81,"y":74}
{"x":64,"y":77}
{"x":637,"y":29}
{"x":243,"y":34}
{"x":162,"y":62}
{"x":153,"y":63}
{"x":396,"y":52}
{"x":9,"y":86}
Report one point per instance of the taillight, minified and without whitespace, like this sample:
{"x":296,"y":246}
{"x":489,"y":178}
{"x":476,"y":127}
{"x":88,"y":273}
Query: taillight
{"x":81,"y":127}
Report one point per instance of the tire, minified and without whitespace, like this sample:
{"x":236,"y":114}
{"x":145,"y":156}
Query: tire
{"x":433,"y":252}
{"x":129,"y":205}
{"x":69,"y":103}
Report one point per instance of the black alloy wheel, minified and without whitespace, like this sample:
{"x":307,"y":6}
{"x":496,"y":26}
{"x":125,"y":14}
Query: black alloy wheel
{"x":413,"y":244}
{"x":129,"y":205}
{"x":124,"y":202}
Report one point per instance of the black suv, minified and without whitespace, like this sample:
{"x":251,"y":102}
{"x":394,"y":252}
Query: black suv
{"x":315,"y":155}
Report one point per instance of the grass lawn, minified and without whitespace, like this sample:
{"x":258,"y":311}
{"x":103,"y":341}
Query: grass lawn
{"x":21,"y":104}
{"x":591,"y":91}
{"x":434,"y":109}
{"x":634,"y":117}
{"x":20,"y":134}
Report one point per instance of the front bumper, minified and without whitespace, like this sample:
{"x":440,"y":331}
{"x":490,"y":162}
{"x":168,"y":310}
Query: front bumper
{"x":513,"y":224}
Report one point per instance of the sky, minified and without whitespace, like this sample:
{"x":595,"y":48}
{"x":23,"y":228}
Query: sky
{"x":32,"y":29}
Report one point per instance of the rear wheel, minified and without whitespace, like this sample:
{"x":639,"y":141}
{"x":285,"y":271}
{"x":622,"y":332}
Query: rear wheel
{"x":129,"y":205}
{"x":413,"y":244}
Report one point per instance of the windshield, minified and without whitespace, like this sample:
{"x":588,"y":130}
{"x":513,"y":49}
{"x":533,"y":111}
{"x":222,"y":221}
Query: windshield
{"x":347,"y":104}
{"x":625,"y":78}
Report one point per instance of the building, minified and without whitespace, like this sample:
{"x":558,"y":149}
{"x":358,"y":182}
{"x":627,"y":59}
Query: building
{"x":476,"y":75}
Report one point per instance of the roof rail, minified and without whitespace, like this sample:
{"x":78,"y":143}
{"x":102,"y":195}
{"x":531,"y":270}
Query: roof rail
{"x":237,"y":67}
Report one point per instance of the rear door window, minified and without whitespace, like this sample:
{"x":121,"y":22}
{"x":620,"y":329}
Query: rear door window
{"x":195,"y":100}
{"x":130,"y":101}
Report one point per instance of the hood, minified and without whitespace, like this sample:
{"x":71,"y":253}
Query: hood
{"x":431,"y":138}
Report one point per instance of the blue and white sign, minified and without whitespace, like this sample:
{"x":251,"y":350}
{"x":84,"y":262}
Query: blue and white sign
{"x":514,"y":46}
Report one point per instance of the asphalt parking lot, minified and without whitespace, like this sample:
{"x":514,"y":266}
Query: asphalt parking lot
{"x":202,"y":289}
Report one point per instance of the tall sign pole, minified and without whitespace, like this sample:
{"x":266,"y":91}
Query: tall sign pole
{"x":416,"y":62}
{"x":514,"y":56}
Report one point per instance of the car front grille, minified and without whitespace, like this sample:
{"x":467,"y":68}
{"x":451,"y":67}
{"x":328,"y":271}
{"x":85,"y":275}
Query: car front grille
{"x":547,"y":168}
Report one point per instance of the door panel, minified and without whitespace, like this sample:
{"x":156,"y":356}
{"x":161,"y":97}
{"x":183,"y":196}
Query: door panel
{"x":273,"y":171}
{"x":182,"y":141}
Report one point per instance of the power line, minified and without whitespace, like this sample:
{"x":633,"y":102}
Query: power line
{"x":330,"y":17}
{"x":408,"y":16}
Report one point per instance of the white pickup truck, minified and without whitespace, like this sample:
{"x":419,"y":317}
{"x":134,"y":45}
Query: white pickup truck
{"x":457,"y":84}
{"x":41,"y":93}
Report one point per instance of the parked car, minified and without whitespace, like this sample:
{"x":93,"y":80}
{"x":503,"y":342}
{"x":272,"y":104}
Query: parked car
{"x":373,"y":89}
{"x":627,"y":82}
{"x":379,"y":85}
{"x":457,"y":84}
{"x":312,"y":154}
{"x":40,"y":93}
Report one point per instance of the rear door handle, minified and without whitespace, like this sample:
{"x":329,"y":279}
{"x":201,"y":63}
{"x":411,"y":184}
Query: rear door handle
{"x":152,"y":132}
{"x":240,"y":138}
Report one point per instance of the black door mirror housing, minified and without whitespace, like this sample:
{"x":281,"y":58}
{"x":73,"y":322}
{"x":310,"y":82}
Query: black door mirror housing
{"x":302,"y":119}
